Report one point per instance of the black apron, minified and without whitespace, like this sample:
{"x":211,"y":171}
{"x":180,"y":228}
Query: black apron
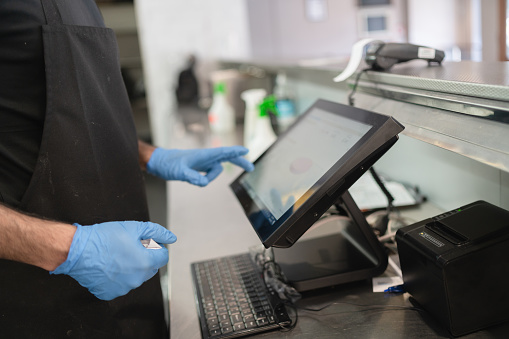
{"x":87,"y":172}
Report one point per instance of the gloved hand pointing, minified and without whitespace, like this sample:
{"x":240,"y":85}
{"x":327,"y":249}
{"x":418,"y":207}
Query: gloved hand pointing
{"x":109,"y":259}
{"x":186,"y":165}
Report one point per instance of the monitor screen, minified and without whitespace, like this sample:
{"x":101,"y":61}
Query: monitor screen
{"x":301,"y":175}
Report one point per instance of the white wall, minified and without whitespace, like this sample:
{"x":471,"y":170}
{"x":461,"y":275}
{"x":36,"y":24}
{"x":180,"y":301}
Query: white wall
{"x":432,"y":23}
{"x":169,"y":31}
{"x":469,"y":25}
{"x":281,"y":29}
{"x":489,"y":22}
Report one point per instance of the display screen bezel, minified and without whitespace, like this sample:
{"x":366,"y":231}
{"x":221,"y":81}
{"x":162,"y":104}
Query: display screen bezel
{"x":321,"y":195}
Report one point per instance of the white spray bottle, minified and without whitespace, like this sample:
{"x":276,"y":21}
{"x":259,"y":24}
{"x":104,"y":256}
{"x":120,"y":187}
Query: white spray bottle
{"x":253,"y":98}
{"x":264,"y":135}
{"x":221,"y":115}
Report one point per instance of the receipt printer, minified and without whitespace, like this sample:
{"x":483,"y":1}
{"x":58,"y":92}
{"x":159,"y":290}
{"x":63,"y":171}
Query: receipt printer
{"x":456,"y":266}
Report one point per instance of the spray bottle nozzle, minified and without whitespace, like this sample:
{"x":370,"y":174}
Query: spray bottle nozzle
{"x":268,"y":106}
{"x":219,"y":87}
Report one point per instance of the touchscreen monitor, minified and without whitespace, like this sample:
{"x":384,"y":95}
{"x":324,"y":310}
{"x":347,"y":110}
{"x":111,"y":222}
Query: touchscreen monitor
{"x":309,"y":166}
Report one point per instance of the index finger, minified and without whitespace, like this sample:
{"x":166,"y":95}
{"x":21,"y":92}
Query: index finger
{"x":224,"y":153}
{"x":242,"y":162}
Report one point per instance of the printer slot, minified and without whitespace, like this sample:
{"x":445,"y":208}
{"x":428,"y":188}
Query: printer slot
{"x":447,"y":233}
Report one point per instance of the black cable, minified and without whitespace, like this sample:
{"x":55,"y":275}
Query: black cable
{"x":384,"y":189}
{"x":383,"y":223}
{"x":373,"y":307}
{"x":277,"y":269}
{"x":265,"y":265}
{"x":350,"y":96}
{"x":294,"y":322}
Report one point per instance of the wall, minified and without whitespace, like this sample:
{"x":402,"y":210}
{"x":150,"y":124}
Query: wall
{"x":171,"y":30}
{"x":280,"y":29}
{"x":466,"y":29}
{"x":489,"y":20}
{"x":431,"y":23}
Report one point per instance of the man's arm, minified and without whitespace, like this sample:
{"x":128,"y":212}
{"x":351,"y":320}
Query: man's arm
{"x":107,"y":258}
{"x":34,"y":241}
{"x":196,"y":166}
{"x":145,"y":152}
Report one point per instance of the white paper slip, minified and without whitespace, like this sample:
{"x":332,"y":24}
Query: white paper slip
{"x":150,"y":244}
{"x":380,"y":284}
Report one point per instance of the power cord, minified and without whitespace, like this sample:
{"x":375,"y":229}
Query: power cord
{"x":275,"y":280}
{"x":350,"y":96}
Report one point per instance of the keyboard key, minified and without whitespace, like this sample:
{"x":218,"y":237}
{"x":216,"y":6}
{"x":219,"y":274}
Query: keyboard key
{"x":261,"y":314}
{"x":225,"y":323}
{"x":239,"y":327}
{"x":261,"y":321}
{"x":248,"y":317}
{"x":251,"y":324}
{"x":212,"y":321}
{"x":227,"y":329}
{"x":258,"y":309}
{"x":236,"y":318}
{"x":215,"y":332}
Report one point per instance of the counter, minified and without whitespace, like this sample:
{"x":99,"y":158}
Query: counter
{"x":210,"y":223}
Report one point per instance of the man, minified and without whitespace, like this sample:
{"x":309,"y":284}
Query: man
{"x":71,"y":186}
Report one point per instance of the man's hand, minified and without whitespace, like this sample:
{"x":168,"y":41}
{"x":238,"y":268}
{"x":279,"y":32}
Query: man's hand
{"x":109,"y":258}
{"x":186,"y":165}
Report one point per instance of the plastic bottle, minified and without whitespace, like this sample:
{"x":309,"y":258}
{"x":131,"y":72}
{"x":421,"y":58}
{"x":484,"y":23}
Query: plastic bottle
{"x":253,"y":98}
{"x":221,"y":115}
{"x":264,"y":135}
{"x":284,"y":102}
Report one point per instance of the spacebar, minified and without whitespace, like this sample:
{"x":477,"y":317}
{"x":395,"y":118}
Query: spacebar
{"x":206,"y":290}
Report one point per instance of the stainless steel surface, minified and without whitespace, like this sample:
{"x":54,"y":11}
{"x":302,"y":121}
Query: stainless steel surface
{"x":480,"y":139}
{"x":209,"y":223}
{"x":485,"y":108}
{"x":477,"y":79}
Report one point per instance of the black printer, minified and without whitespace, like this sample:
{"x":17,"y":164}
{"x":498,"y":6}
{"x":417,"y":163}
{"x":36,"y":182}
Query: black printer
{"x":456,"y":266}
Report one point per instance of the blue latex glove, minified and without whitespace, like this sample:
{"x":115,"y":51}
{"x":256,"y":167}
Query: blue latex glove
{"x":109,"y":258}
{"x":186,"y":165}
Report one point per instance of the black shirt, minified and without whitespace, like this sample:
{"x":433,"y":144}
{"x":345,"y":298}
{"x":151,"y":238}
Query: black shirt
{"x":22,"y":86}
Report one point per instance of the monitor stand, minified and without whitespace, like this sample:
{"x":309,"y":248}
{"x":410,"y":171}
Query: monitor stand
{"x":337,"y":252}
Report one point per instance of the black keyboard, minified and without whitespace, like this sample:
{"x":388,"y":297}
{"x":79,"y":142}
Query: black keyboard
{"x":232,"y":298}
